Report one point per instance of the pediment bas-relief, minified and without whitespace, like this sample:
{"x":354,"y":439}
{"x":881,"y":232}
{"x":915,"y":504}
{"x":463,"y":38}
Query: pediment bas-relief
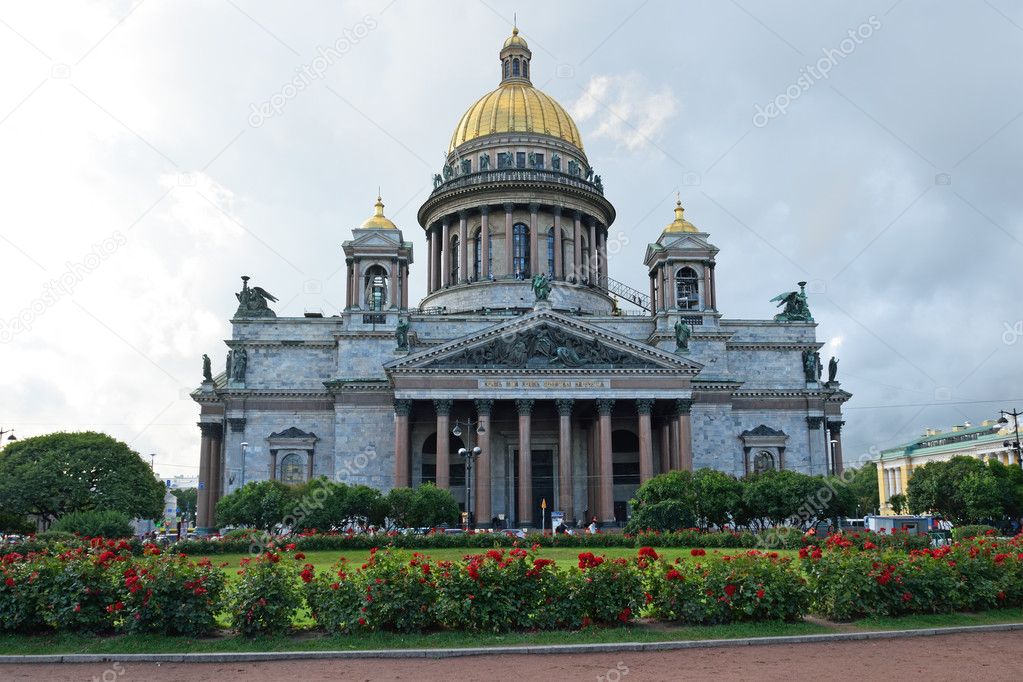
{"x":543,"y":347}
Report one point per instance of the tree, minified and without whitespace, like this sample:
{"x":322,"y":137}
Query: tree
{"x":260,"y":504}
{"x":16,"y":524}
{"x":365,"y":506}
{"x":718,"y":495}
{"x":665,"y":502}
{"x":323,"y":505}
{"x":962,"y":490}
{"x":898,"y":503}
{"x":401,"y":507}
{"x":434,"y":506}
{"x":862,"y":483}
{"x":59,"y":473}
{"x":95,"y":524}
{"x":188,"y":500}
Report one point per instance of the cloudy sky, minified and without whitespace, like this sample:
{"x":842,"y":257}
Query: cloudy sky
{"x":872,"y":148}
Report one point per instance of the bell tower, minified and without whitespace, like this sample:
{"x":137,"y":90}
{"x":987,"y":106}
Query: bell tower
{"x":681,"y":268}
{"x":378,"y":260}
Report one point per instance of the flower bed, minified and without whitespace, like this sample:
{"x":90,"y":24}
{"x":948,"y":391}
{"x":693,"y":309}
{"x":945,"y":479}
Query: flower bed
{"x":847,"y":582}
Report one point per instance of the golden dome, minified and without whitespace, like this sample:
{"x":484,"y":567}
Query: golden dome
{"x":515,"y":39}
{"x":679,"y":224}
{"x":377,"y":221}
{"x":516,"y":108}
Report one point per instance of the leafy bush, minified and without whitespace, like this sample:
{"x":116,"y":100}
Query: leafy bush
{"x":105,"y":523}
{"x":265,"y":597}
{"x":611,"y":590}
{"x":848,"y":583}
{"x":500,"y":591}
{"x":20,"y":594}
{"x":965,"y":532}
{"x":170,"y":595}
{"x":16,"y":523}
{"x":80,"y":592}
{"x":754,"y":586}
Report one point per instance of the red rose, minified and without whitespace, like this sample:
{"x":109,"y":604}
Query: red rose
{"x":624,"y":614}
{"x":760,"y":594}
{"x":10,"y":582}
{"x":290,"y":546}
{"x":698,"y":552}
{"x":673,"y":574}
{"x":334,"y":586}
{"x":299,"y":556}
{"x":906,"y":596}
{"x":648,"y":553}
{"x":730,"y":590}
{"x":362,"y":621}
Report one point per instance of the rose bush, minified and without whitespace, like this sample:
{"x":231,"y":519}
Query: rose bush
{"x":754,"y":586}
{"x":266,"y":595}
{"x":170,"y":595}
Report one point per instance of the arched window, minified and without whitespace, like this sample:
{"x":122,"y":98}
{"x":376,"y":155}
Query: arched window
{"x":764,"y":461}
{"x":292,"y":471}
{"x":550,"y":252}
{"x":515,"y":67}
{"x":477,"y":256}
{"x":506,"y":68}
{"x":376,"y":287}
{"x":520,"y":251}
{"x":687,"y":290}
{"x":454,"y":260}
{"x":525,"y":69}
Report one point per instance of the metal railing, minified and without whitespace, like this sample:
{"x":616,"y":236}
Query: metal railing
{"x":627,"y":293}
{"x":517,"y":175}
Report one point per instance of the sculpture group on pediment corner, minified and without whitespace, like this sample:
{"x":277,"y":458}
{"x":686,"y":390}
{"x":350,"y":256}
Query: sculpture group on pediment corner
{"x":540,"y":347}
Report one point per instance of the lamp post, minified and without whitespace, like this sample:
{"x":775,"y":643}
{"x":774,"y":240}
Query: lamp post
{"x":468,"y":456}
{"x":1015,"y":414}
{"x":10,"y":437}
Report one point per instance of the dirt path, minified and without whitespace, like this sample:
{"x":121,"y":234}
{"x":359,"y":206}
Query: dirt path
{"x":975,"y":657}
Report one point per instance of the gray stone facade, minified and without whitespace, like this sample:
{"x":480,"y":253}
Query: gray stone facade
{"x":356,"y":403}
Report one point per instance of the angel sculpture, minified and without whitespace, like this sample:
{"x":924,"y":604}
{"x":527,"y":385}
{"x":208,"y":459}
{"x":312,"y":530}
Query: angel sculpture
{"x":252,"y":302}
{"x":796,"y":309}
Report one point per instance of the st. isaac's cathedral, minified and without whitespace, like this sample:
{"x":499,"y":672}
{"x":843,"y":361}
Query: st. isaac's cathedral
{"x":574,"y":387}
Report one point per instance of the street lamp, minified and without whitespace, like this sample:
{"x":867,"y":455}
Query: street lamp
{"x":469,"y":456}
{"x":10,"y":431}
{"x":1015,"y":414}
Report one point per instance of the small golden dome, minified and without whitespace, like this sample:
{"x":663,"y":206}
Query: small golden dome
{"x":377,"y":221}
{"x":515,"y":39}
{"x":680,"y":224}
{"x":516,"y":108}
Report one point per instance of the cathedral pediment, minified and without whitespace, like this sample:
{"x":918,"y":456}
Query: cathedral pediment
{"x":388,"y":239}
{"x":543,"y":341}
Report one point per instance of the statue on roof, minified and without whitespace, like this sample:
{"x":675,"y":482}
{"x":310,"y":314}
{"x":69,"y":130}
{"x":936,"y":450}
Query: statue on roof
{"x":401,"y":334}
{"x":796,"y":308}
{"x":832,"y":369}
{"x":207,"y":373}
{"x":682,"y":335}
{"x":252,"y":302}
{"x":437,"y":180}
{"x":484,"y":162}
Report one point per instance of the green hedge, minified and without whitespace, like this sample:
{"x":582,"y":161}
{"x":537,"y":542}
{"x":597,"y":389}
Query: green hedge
{"x":965,"y":532}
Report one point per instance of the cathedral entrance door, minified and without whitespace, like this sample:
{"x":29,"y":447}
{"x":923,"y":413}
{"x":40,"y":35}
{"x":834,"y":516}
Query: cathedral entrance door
{"x":543,"y":484}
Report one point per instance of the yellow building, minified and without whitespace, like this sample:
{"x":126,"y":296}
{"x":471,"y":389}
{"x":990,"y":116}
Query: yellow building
{"x":992,"y":439}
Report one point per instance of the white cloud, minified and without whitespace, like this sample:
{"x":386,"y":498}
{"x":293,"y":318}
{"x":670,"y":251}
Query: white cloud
{"x":625,"y":109}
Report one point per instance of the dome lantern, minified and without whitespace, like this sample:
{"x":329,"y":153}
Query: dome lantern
{"x":378,"y":221}
{"x":680,"y":224}
{"x":515,"y":56}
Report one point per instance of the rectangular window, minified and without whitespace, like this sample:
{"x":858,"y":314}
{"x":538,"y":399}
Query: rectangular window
{"x":504,"y":160}
{"x":520,"y":159}
{"x":538,"y":161}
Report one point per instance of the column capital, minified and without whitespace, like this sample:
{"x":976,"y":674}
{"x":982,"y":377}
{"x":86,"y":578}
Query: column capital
{"x":534,"y":207}
{"x":525,"y":406}
{"x":485,"y":210}
{"x":509,"y":207}
{"x":604,"y":406}
{"x":565,"y":406}
{"x":211,"y":429}
{"x":484,"y":406}
{"x":443,"y":407}
{"x":814,"y":423}
{"x":463,"y":214}
{"x":236,"y":423}
{"x":644,"y":405}
{"x":683,"y":406}
{"x":836,"y":425}
{"x":577,"y":214}
{"x":556,"y":210}
{"x":445,"y":221}
{"x":402,"y":407}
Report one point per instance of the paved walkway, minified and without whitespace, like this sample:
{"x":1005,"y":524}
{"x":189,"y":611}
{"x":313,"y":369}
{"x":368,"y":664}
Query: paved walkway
{"x":980,"y":657}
